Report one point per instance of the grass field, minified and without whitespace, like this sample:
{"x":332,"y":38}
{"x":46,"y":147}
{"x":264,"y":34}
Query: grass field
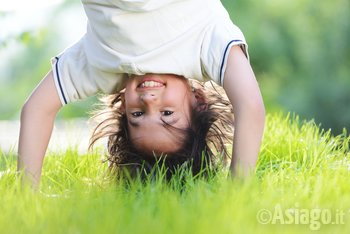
{"x":301,"y":185}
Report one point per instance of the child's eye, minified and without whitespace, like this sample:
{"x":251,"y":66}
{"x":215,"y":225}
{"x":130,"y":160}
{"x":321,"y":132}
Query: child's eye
{"x":166,"y":113}
{"x":137,"y":113}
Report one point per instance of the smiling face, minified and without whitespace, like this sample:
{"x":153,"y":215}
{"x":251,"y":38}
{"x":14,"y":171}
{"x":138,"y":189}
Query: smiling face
{"x":151,"y":103}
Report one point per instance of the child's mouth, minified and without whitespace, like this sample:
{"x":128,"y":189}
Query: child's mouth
{"x":150,"y":84}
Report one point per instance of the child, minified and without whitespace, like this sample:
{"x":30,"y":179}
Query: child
{"x":194,"y":124}
{"x":189,"y":38}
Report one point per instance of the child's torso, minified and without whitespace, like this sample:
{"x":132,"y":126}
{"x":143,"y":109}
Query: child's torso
{"x":122,"y":33}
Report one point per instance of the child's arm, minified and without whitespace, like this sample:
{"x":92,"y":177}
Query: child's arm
{"x":243,"y":92}
{"x":37,"y":118}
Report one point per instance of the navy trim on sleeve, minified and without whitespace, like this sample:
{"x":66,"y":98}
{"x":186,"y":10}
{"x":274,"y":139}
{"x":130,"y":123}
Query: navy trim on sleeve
{"x":59,"y":82}
{"x":224,"y":59}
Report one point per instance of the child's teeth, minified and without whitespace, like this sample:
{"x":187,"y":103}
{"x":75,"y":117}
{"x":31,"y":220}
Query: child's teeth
{"x":150,"y":84}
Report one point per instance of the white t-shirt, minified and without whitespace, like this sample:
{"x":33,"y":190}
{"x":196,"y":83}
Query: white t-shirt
{"x":184,"y":37}
{"x":136,"y":5}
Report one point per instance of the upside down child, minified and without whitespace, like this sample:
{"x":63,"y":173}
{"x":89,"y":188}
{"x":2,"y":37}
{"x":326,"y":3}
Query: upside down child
{"x":143,"y":53}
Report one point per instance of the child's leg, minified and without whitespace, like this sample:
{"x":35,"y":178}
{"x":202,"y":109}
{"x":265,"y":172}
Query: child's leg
{"x":243,"y":91}
{"x":37,"y":118}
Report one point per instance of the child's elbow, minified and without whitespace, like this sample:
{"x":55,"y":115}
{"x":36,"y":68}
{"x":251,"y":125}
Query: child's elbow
{"x":255,"y":109}
{"x":26,"y":109}
{"x":259,"y":109}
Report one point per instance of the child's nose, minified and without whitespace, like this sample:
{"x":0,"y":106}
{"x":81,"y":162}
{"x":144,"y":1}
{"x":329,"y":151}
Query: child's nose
{"x":148,"y":98}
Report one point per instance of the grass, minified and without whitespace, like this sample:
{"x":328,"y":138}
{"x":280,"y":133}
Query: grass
{"x":301,"y":185}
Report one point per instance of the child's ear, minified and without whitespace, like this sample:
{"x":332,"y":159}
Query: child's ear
{"x":200,"y":100}
{"x":122,"y":103}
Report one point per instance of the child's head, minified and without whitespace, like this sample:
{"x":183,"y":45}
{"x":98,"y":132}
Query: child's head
{"x":158,"y":109}
{"x":165,"y":116}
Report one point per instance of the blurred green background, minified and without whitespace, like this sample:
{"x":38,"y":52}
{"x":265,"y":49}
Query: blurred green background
{"x":299,"y":50}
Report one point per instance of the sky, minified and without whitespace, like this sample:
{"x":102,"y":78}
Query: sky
{"x":20,"y":5}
